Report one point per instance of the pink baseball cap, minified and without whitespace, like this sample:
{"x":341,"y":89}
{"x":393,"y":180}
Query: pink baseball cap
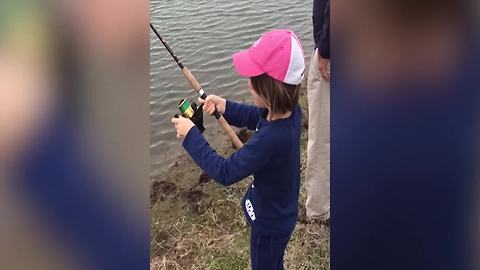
{"x":277,"y":53}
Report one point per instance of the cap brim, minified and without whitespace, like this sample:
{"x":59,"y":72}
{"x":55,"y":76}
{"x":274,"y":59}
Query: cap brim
{"x":245,"y":66}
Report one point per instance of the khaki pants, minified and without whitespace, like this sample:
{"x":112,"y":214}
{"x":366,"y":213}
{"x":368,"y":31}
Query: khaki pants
{"x":317,"y":181}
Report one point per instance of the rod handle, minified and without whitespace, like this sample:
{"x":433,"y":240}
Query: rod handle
{"x":225,"y":126}
{"x":191,"y":79}
{"x":228,"y":130}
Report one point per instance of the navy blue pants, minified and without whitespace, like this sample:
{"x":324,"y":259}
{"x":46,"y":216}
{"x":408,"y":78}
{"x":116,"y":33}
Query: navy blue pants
{"x":266,"y":252}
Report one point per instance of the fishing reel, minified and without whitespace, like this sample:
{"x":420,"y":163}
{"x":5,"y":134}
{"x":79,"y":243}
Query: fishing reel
{"x":192,"y":112}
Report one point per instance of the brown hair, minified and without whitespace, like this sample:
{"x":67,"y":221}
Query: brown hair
{"x":279,"y":96}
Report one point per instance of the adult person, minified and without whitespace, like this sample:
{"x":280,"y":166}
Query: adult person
{"x":56,"y":205}
{"x":318,"y":88}
{"x":406,"y":119}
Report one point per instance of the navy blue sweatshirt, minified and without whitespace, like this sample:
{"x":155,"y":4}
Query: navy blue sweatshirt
{"x":272,"y":156}
{"x":321,"y":27}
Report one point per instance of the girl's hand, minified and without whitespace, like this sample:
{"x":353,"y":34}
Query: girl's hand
{"x":212,"y":102}
{"x":183,"y":126}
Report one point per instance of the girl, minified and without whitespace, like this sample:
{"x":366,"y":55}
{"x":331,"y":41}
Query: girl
{"x":275,"y":66}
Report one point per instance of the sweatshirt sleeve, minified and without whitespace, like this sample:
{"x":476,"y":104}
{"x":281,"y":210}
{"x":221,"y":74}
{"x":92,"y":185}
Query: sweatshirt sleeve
{"x":244,"y":162}
{"x":324,"y":46}
{"x":242,"y":115}
{"x":318,"y":19}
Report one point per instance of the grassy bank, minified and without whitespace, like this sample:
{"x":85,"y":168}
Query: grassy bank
{"x":198,"y":224}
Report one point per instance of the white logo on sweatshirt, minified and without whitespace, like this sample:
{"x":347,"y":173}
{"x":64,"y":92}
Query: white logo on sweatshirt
{"x":249,"y":207}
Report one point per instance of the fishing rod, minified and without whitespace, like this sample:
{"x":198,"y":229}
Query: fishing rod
{"x":198,"y":88}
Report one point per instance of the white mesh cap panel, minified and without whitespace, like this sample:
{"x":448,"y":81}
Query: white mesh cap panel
{"x":296,"y":66}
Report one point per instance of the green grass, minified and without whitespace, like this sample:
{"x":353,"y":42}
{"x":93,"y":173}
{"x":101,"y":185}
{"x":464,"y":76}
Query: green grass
{"x":232,"y":259}
{"x":228,"y":262}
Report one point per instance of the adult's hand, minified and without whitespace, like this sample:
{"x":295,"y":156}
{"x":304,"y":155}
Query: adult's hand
{"x":323,"y":66}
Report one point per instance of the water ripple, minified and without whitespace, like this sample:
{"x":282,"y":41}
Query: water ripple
{"x":204,"y":34}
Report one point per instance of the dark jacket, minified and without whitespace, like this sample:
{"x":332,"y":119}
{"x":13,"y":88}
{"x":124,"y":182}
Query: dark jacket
{"x":321,"y":27}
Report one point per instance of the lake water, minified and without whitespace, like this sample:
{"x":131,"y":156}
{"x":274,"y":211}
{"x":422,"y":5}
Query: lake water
{"x":204,"y":34}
